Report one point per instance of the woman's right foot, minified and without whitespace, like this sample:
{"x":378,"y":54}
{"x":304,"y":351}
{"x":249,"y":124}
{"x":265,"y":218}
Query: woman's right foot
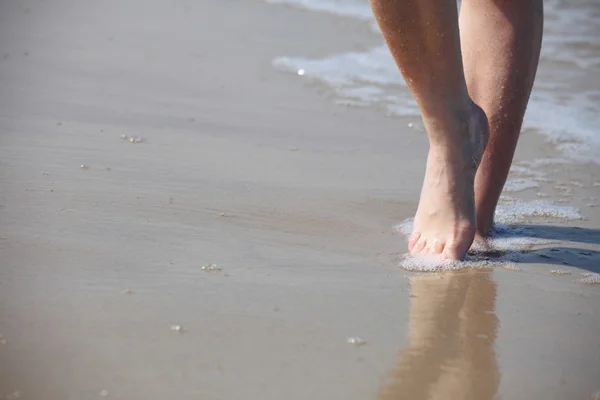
{"x":445,"y":221}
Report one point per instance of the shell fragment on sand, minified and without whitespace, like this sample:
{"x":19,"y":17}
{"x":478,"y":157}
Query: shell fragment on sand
{"x":559,"y":272}
{"x":211,"y":268}
{"x":356,"y":341}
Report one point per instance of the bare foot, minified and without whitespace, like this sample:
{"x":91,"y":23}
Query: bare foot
{"x":445,"y":220}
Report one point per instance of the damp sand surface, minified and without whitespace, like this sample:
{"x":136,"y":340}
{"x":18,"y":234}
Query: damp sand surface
{"x":243,"y":243}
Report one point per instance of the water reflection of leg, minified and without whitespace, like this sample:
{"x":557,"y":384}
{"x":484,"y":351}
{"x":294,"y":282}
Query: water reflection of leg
{"x":452,"y":332}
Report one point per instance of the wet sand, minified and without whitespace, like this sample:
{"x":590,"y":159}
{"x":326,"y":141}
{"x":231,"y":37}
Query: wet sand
{"x":294,"y":197}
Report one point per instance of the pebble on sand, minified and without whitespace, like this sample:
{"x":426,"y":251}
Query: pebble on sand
{"x":356,"y":340}
{"x":136,"y":139}
{"x":178,"y":329}
{"x":211,"y":268}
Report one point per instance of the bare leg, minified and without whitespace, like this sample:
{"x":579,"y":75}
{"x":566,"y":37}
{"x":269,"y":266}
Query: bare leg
{"x":424,"y":40}
{"x":501,"y":42}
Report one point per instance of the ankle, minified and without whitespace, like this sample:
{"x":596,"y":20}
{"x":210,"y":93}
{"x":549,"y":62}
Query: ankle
{"x":449,"y":125}
{"x":484,"y":226}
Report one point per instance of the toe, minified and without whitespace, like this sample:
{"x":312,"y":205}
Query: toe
{"x":419,"y":246}
{"x":414,"y":238}
{"x":438,"y":246}
{"x":454,"y":251}
{"x":433,"y":247}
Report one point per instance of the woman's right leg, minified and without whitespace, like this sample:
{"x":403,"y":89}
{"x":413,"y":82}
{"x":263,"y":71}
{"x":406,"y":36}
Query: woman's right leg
{"x":423,"y":37}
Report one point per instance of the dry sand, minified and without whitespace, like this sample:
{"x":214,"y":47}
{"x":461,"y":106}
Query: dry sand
{"x":294,"y":197}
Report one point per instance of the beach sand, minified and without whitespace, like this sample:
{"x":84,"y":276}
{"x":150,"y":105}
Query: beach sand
{"x":143,"y":140}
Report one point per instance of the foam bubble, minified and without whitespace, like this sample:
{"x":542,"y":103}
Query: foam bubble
{"x":510,"y":267}
{"x":472,"y":261}
{"x":543,"y":162}
{"x":560,"y":272}
{"x":373,"y":66}
{"x":520,"y":184}
{"x":590,"y":279}
{"x":178,"y":328}
{"x":570,"y":27}
{"x":519,"y":211}
{"x":363,"y":78}
{"x":211,"y":268}
{"x":570,"y":126}
{"x":507,"y":238}
{"x":356,"y":340}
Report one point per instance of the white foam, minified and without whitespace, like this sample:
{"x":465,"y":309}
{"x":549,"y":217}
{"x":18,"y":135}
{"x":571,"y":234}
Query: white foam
{"x":371,"y":78}
{"x":435,"y":264}
{"x":571,"y":127}
{"x":520,"y":184}
{"x":569,"y":29}
{"x":520,"y":211}
{"x":543,"y":162}
{"x":590,"y":279}
{"x":524,"y":170}
{"x":373,"y":66}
